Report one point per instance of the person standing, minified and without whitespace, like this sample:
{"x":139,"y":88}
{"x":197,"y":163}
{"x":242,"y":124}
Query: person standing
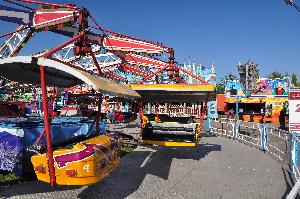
{"x":282,"y":118}
{"x":111,"y":116}
{"x":262,"y":113}
{"x":231,"y":113}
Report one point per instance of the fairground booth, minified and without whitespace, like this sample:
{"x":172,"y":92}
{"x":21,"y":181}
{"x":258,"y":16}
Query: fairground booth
{"x":264,"y":104}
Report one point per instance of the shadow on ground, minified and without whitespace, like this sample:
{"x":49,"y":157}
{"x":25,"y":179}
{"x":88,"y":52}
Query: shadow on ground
{"x":32,"y":187}
{"x":125,"y":180}
{"x":154,"y":161}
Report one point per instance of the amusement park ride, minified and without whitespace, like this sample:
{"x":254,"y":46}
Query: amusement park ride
{"x":94,"y":56}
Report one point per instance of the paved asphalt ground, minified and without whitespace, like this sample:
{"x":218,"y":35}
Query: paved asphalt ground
{"x":225,"y":169}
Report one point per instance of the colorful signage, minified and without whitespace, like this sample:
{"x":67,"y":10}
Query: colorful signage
{"x":212,"y":111}
{"x":263,"y":87}
{"x":294,"y":110}
{"x":233,"y":88}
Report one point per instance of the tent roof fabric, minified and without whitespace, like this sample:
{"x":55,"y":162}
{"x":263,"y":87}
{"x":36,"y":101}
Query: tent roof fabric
{"x":174,"y":87}
{"x":174,"y":93}
{"x":26,"y":69}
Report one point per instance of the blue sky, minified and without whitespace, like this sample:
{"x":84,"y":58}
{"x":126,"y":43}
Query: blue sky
{"x":223,"y":32}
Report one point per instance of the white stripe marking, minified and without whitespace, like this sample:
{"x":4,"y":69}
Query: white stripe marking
{"x":147,"y":159}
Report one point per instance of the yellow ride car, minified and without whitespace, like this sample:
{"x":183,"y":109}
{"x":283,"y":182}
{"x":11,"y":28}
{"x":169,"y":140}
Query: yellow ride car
{"x":85,"y":163}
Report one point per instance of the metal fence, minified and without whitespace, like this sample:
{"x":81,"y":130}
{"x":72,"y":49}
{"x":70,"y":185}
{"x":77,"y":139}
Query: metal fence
{"x":280,"y":144}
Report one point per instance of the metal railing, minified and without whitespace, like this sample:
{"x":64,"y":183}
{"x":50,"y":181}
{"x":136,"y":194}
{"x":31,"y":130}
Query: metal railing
{"x":278,"y":143}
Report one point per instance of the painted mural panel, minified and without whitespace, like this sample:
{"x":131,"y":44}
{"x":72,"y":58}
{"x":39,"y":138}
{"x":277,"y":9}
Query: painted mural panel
{"x":208,"y":73}
{"x":263,"y":87}
{"x":212,"y":111}
{"x":233,"y":88}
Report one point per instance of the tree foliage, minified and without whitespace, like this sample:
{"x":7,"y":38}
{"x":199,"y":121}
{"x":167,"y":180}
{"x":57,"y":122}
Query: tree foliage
{"x":294,"y":80}
{"x":276,"y":74}
{"x":229,"y":76}
{"x":221,"y":85}
{"x":220,"y":88}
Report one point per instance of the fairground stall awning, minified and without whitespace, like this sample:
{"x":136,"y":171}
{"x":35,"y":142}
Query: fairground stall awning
{"x":25,"y":69}
{"x":173,"y":93}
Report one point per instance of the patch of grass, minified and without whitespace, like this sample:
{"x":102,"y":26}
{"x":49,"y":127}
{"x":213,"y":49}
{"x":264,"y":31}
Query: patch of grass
{"x":9,"y":178}
{"x":126,"y":149}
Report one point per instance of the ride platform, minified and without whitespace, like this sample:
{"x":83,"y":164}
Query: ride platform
{"x":172,"y":131}
{"x":174,"y":93}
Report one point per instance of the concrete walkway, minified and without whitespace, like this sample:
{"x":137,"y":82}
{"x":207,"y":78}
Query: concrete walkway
{"x":226,"y":169}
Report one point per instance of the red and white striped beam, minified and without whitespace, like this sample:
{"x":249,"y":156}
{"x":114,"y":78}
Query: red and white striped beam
{"x":126,"y":44}
{"x":145,"y":61}
{"x":135,"y":70}
{"x":113,"y":76}
{"x":47,"y":17}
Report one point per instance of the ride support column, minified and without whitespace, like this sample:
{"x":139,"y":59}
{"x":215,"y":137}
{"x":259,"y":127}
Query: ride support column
{"x":47,"y":127}
{"x":99,"y":102}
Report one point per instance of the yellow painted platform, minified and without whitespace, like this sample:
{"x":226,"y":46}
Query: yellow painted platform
{"x":169,"y":143}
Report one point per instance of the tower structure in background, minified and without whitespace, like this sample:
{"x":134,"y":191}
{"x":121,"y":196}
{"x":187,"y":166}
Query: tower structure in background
{"x":249,"y":74}
{"x":208,"y":73}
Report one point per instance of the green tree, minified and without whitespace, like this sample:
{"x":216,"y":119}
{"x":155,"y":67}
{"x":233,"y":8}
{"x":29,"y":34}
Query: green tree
{"x":275,"y":74}
{"x":221,"y":85}
{"x":294,"y":80}
{"x":230,"y":77}
{"x":286,"y":74}
{"x":220,"y":88}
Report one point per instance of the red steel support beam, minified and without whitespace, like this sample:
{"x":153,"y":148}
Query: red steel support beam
{"x":113,"y":76}
{"x":152,"y":75}
{"x":18,"y":4}
{"x":45,"y":107}
{"x":116,"y":33}
{"x":48,"y":4}
{"x":134,"y":70}
{"x":40,"y":138}
{"x":47,"y":127}
{"x":12,"y":32}
{"x":96,"y":64}
{"x":53,"y":50}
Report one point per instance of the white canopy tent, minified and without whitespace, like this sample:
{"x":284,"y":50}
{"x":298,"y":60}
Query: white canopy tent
{"x":26,"y":69}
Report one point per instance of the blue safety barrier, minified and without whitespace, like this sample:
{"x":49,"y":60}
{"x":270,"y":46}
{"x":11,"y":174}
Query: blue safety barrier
{"x":264,"y":137}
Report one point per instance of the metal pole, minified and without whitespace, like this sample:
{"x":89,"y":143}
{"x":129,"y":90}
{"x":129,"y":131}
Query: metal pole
{"x":246,"y":89}
{"x":236,"y":116}
{"x":99,"y":103}
{"x":39,"y":102}
{"x":47,"y":127}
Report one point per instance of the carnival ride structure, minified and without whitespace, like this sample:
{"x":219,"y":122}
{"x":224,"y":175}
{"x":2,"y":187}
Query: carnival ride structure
{"x":159,"y":127}
{"x":92,"y":55}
